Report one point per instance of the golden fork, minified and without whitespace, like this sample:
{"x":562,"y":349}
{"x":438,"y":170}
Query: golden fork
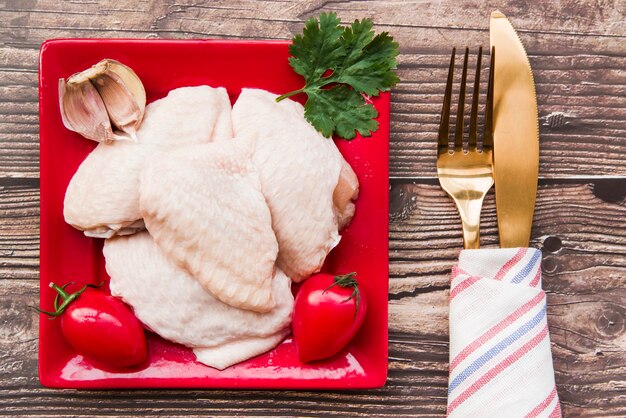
{"x":467,"y":176}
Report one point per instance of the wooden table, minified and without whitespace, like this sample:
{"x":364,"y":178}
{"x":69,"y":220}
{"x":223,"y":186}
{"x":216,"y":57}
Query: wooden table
{"x":578,"y":52}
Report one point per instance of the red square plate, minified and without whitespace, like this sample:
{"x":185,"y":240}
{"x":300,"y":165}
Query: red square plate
{"x":67,"y":255}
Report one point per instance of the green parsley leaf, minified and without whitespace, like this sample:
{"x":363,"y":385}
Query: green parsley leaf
{"x":342,"y":110}
{"x":318,"y":44}
{"x":340,"y":66}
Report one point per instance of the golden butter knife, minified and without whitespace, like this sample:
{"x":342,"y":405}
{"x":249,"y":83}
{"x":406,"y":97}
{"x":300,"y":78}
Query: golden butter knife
{"x":516,"y":135}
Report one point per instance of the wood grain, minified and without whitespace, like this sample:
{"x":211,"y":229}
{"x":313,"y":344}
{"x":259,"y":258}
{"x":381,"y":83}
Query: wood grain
{"x":586,"y":313}
{"x":576,"y":48}
{"x":579,"y":74}
{"x":19,"y":233}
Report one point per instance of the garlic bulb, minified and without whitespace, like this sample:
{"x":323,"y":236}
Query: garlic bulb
{"x":106,"y":96}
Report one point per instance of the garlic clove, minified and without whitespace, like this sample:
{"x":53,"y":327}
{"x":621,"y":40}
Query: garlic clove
{"x":83,"y":111}
{"x":123,"y":94}
{"x":131,"y":80}
{"x":105,"y":96}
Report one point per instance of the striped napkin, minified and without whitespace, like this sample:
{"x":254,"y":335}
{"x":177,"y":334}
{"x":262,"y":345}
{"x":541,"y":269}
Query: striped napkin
{"x":500,"y":359}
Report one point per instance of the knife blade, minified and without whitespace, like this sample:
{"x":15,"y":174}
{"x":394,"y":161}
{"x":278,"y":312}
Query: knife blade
{"x":515,"y":134}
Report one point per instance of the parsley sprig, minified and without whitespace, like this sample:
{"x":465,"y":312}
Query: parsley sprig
{"x":341,"y":67}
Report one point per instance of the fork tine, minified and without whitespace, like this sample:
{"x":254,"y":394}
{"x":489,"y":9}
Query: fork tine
{"x":473,"y":129}
{"x":458,"y":133}
{"x":444,"y":124}
{"x":488,"y":134}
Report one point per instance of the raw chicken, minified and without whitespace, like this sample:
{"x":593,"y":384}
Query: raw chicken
{"x":187,"y":115}
{"x":174,"y":305}
{"x":300,"y":173}
{"x":234,"y":352}
{"x":102,"y":198}
{"x":344,"y":195}
{"x":204,"y":207}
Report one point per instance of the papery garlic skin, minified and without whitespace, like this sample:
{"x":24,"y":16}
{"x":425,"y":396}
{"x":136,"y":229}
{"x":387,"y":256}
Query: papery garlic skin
{"x":83,"y":111}
{"x":123,"y":94}
{"x":107,"y":95}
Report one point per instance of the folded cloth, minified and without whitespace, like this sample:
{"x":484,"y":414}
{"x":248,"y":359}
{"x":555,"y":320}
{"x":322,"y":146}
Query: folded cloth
{"x":500,"y":359}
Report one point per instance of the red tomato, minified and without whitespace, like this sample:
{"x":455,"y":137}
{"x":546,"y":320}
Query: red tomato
{"x":327,"y":314}
{"x":101,"y":328}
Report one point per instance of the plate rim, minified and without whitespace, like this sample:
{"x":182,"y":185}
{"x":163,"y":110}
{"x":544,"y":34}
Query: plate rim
{"x":380,"y":376}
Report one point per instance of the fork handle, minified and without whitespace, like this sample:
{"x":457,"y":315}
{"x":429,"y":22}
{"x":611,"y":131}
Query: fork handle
{"x":470,"y":217}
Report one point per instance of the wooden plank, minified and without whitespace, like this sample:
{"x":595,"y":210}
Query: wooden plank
{"x":576,"y":49}
{"x":579,"y":66}
{"x":19,"y":232}
{"x":597,"y":26}
{"x":583,"y":238}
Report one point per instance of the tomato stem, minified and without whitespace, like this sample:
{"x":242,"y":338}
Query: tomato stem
{"x":348,"y":280}
{"x":59,"y":294}
{"x":67,"y":298}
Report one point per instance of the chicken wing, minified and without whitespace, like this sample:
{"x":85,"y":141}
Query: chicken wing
{"x":204,"y":207}
{"x":344,"y":195}
{"x":187,"y":115}
{"x":174,"y":305}
{"x":102,"y":198}
{"x":300,"y":176}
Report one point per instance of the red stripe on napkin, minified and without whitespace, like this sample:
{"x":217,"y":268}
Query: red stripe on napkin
{"x":542,"y":406}
{"x":492,"y":332}
{"x":511,"y":263}
{"x":507,"y":362}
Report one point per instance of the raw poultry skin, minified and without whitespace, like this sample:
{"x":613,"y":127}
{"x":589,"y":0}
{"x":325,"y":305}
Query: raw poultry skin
{"x":204,"y":207}
{"x":102,"y":198}
{"x":187,"y":115}
{"x":344,"y":195}
{"x":299,"y":171}
{"x":174,"y":305}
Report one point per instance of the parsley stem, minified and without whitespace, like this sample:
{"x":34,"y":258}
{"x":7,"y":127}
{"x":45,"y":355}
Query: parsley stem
{"x":293,"y":93}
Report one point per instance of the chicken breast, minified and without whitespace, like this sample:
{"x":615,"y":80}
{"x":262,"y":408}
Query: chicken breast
{"x":174,"y":305}
{"x":204,"y":207}
{"x":300,"y":175}
{"x":102,"y":198}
